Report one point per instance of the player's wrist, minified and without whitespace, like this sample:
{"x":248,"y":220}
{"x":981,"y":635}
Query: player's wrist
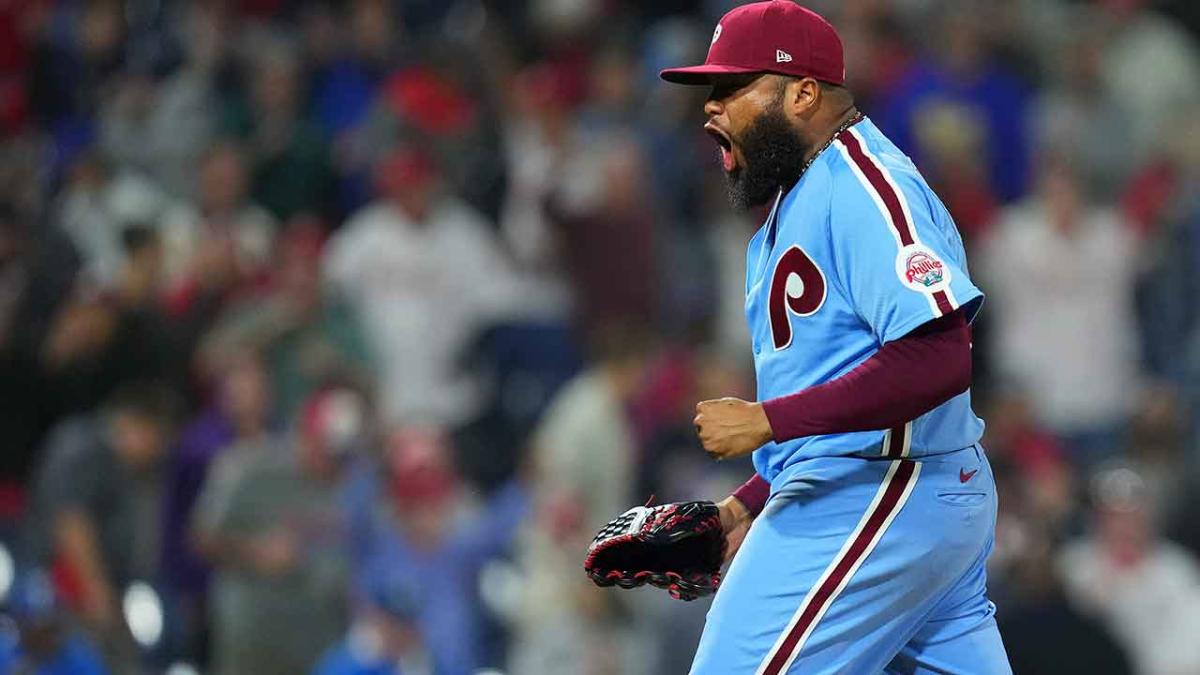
{"x":762,"y":423}
{"x":733,"y":513}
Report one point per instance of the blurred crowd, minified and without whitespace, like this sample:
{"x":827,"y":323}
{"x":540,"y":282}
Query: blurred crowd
{"x":331,"y":330}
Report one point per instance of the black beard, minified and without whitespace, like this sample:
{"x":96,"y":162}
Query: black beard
{"x":774,"y":155}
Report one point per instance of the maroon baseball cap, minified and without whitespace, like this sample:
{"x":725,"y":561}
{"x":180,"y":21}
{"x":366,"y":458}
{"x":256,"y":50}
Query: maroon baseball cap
{"x":778,"y":36}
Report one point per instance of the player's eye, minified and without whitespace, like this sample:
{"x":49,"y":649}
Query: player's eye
{"x":727,"y":87}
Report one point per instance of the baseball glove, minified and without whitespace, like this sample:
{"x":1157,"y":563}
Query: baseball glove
{"x":677,"y":547}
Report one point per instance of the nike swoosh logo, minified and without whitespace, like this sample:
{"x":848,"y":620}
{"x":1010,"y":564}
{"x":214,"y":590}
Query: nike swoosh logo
{"x":964,"y":476}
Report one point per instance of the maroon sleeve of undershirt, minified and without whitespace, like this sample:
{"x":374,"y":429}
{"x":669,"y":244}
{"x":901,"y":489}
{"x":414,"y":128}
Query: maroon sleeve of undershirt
{"x":905,"y":379}
{"x":753,"y":494}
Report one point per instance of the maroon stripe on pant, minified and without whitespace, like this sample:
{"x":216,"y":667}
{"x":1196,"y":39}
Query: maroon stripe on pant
{"x":824,"y":594}
{"x":896,"y":441}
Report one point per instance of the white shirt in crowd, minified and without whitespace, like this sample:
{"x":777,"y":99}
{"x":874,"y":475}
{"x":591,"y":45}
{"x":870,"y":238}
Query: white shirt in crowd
{"x":93,"y":217}
{"x":1152,"y":607}
{"x":423,"y":292}
{"x":1062,"y":309}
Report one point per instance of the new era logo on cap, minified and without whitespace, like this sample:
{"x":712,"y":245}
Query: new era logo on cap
{"x":782,"y":56}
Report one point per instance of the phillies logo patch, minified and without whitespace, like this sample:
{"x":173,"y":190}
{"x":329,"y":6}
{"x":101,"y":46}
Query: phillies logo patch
{"x":921,"y":269}
{"x":924,"y":269}
{"x":797,"y":287}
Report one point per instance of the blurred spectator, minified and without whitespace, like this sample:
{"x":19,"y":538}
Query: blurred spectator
{"x":682,"y":165}
{"x":538,"y":142}
{"x":1151,"y":68}
{"x":612,"y":101}
{"x":606,"y":226}
{"x":426,"y":534}
{"x":40,"y":639}
{"x":272,"y":520}
{"x":36,"y":274}
{"x":1068,"y":117}
{"x":963,"y":71}
{"x":1161,"y":450}
{"x":351,"y":59}
{"x":727,"y":239}
{"x":443,"y":103}
{"x":349,"y":74}
{"x":99,"y":341}
{"x":583,"y":457}
{"x":288,"y":154}
{"x":1162,"y":199}
{"x":1060,"y":271}
{"x":384,"y":638}
{"x":238,"y":418}
{"x":159,"y":123}
{"x":1158,"y":451}
{"x":222,"y":211}
{"x":1043,"y":633}
{"x":97,"y":202}
{"x":306,"y":333}
{"x":1044,"y":476}
{"x":426,"y":275}
{"x":950,"y":139}
{"x":669,"y":464}
{"x":73,"y":60}
{"x":1145,"y":589}
{"x":96,"y":503}
{"x":219,"y":271}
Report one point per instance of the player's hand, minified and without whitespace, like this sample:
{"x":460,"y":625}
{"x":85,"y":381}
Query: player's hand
{"x":730,"y":427}
{"x":735,"y":522}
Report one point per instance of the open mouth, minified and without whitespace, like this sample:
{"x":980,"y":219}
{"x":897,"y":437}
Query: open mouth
{"x":728,"y":161}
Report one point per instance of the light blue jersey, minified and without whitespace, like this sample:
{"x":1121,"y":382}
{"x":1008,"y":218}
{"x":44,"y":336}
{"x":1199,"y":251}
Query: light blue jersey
{"x":870,"y":555}
{"x":859,"y":253}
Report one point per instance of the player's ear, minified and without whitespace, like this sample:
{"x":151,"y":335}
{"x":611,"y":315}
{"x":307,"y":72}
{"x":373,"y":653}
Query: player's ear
{"x":801,"y":96}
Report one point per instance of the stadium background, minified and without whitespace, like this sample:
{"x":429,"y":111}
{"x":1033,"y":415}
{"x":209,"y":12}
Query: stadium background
{"x":330,"y":331}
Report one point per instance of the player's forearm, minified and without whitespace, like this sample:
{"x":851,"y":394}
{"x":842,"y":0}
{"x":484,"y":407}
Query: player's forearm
{"x":905,"y":379}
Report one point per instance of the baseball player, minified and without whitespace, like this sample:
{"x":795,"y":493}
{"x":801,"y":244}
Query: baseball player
{"x":873,"y":505}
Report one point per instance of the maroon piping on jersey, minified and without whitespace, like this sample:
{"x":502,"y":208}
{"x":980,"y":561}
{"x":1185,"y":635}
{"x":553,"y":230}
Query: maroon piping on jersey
{"x":890,"y":200}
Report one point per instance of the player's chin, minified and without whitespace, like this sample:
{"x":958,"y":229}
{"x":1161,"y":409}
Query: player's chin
{"x":750,"y":188}
{"x":740,"y":197}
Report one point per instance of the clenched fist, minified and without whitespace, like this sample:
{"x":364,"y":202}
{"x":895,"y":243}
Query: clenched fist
{"x":730,"y":427}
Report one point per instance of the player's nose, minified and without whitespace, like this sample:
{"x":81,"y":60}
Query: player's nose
{"x":713,"y":108}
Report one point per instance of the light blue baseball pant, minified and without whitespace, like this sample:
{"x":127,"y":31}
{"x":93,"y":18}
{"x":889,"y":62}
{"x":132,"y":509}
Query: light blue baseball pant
{"x":863,"y":565}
